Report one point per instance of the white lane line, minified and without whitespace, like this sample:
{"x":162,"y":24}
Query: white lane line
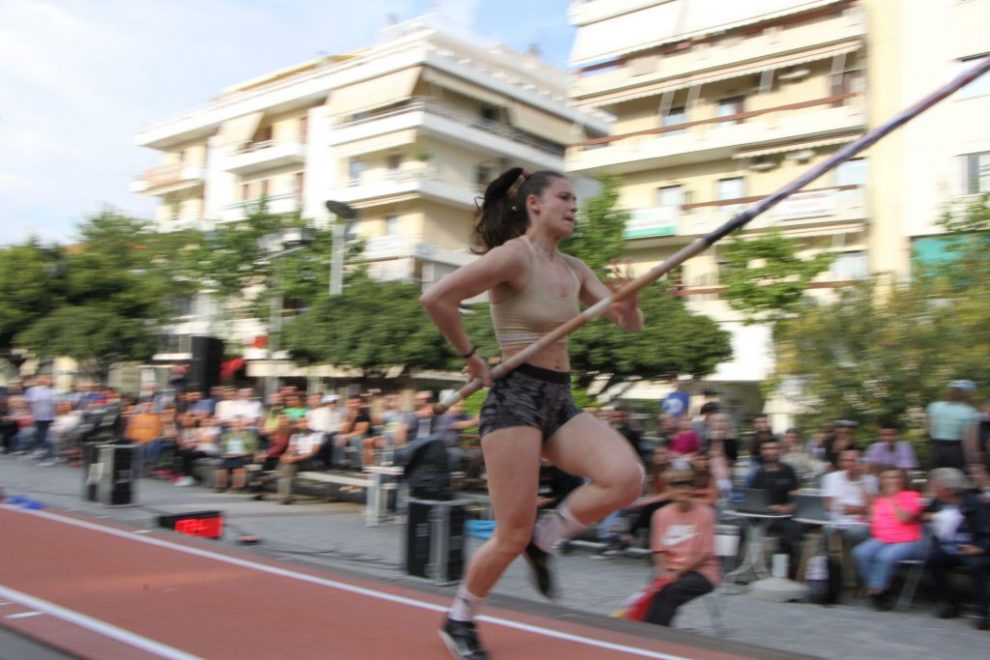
{"x":342,"y":586}
{"x":95,"y":625}
{"x":23,"y":615}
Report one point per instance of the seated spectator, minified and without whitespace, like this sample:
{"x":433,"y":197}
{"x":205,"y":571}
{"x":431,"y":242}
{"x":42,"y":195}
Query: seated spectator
{"x":192,"y":444}
{"x":792,"y":453}
{"x":64,"y":428}
{"x":686,"y":441}
{"x":165,"y":443}
{"x":683,"y":545}
{"x":888,"y":451}
{"x":451,"y":425}
{"x":721,"y":442}
{"x":294,"y":407}
{"x":844,"y":439}
{"x":272,"y":414}
{"x":848,"y":495}
{"x":895,"y":535}
{"x":619,"y":420}
{"x":961,"y":524}
{"x":301,"y":454}
{"x":278,"y":443}
{"x":705,"y":490}
{"x":656,"y":495}
{"x":237,"y":444}
{"x":781,"y":483}
{"x":144,"y":427}
{"x":355,"y":428}
{"x":246,"y":408}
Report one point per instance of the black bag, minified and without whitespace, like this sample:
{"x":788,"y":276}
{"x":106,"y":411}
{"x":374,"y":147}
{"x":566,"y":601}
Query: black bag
{"x":824,"y":579}
{"x":426,"y":469}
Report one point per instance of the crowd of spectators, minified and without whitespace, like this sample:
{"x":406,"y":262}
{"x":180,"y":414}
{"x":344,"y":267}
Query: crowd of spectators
{"x":248,"y":445}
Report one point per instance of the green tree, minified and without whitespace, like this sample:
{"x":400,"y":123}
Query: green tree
{"x":31,"y":286}
{"x":112,"y":293}
{"x":877,"y":354}
{"x":372,"y":326}
{"x":765,"y":279}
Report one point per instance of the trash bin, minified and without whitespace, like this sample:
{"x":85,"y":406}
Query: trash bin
{"x":435,"y":539}
{"x":116,"y":481}
{"x":92,"y":470}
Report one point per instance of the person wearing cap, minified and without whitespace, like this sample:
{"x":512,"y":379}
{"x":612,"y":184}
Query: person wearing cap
{"x":952,"y":428}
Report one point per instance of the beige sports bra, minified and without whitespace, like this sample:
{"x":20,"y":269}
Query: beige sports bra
{"x":534,"y":311}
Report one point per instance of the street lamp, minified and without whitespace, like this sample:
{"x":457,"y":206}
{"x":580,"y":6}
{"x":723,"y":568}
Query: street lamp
{"x":274,"y":247}
{"x":347,"y":213}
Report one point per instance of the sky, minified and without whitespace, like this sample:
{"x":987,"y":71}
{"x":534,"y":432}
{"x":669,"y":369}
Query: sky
{"x":80,"y":77}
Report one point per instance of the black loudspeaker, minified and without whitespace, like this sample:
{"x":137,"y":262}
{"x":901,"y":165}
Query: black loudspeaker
{"x":204,"y":370}
{"x":435,"y":540}
{"x":118,"y":465}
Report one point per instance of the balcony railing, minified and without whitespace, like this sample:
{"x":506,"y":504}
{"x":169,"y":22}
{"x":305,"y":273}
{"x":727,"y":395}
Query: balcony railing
{"x":287,"y":203}
{"x":268,"y":154}
{"x":440,"y":109}
{"x":169,"y":177}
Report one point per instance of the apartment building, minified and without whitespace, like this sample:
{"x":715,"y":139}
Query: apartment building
{"x":407,"y":132}
{"x":717,"y":105}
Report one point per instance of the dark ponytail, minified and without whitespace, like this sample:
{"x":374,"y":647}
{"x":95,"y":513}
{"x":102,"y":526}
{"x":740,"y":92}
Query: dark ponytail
{"x":502,"y":215}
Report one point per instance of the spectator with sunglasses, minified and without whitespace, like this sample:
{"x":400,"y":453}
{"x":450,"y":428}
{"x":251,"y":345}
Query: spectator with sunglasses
{"x":683,"y":545}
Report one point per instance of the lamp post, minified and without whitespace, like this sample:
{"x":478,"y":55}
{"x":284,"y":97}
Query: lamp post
{"x":345,"y":212}
{"x":275,"y":246}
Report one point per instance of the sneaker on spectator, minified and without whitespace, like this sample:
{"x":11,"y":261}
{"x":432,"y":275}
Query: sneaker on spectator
{"x":50,"y":462}
{"x":613,"y":548}
{"x":185,"y":481}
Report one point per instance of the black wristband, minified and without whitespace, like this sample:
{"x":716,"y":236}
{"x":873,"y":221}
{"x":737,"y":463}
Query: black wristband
{"x":469,"y":354}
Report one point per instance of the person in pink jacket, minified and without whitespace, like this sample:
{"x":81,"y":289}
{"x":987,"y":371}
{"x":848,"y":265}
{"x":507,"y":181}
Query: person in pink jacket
{"x":895,"y":535}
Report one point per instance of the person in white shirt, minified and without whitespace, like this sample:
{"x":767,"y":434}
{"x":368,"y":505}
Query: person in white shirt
{"x":226,"y":408}
{"x":848,"y":494}
{"x":302,"y":453}
{"x":246,"y":408}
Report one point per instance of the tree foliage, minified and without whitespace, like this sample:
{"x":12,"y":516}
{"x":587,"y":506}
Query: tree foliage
{"x":765,"y":279}
{"x":106,"y":294}
{"x":884,"y":354}
{"x":31,"y":286}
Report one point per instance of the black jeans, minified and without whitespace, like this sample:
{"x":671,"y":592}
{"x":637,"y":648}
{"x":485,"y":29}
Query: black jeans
{"x":687,"y":587}
{"x":940,"y":563}
{"x":946,"y":453}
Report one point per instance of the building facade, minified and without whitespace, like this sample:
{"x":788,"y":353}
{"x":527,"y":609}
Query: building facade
{"x":717,"y":105}
{"x":406,"y":132}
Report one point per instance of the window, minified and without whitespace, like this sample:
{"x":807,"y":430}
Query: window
{"x":393,"y":162}
{"x":851,"y":173}
{"x":355,"y":170}
{"x":980,"y":86}
{"x":732,"y":188}
{"x":245,"y":192}
{"x":299,"y":184}
{"x":483,"y":175}
{"x":263,"y":134}
{"x":674,"y":117}
{"x":729,"y":106}
{"x":303,"y":128}
{"x":850,"y":266}
{"x":976,"y":173}
{"x":391,"y":225}
{"x":264,"y":188}
{"x":488,"y":113}
{"x":671,"y":197}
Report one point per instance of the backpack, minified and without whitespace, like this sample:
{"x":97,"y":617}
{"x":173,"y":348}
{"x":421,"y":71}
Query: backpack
{"x":824,"y":579}
{"x":426,"y":468}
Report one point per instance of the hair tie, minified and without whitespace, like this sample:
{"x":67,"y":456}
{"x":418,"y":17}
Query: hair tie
{"x":525,"y":174}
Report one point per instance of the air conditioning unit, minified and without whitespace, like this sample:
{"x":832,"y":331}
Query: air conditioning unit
{"x":794,"y":74}
{"x":761,"y":164}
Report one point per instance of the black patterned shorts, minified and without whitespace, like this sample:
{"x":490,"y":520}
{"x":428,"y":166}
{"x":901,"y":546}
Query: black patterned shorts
{"x":529,"y":396}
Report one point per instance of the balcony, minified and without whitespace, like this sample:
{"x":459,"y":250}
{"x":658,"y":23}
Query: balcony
{"x":804,"y":211}
{"x":268,"y":155}
{"x":287,"y":203}
{"x":719,"y":137}
{"x":772,"y":48}
{"x":169,"y":178}
{"x":369,"y":190}
{"x":440,"y":120}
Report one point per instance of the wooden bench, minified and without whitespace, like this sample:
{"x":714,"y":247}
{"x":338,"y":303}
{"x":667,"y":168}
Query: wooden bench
{"x":375,"y":480}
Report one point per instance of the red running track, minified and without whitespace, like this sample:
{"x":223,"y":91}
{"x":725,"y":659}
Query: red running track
{"x":100,"y":590}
